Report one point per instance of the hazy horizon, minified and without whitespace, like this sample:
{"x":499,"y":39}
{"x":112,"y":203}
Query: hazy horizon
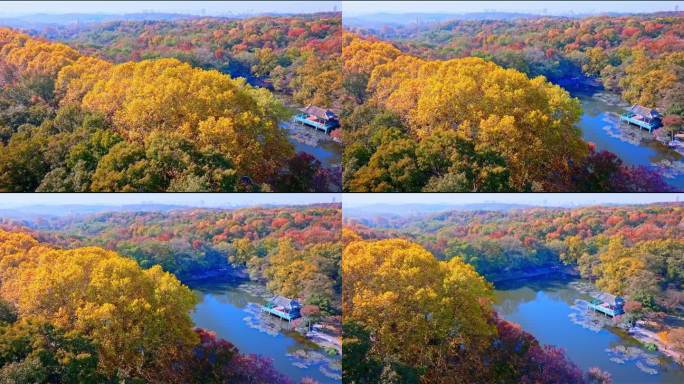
{"x":197,"y":8}
{"x":20,"y":200}
{"x":359,"y":200}
{"x":350,"y":8}
{"x":361,"y":8}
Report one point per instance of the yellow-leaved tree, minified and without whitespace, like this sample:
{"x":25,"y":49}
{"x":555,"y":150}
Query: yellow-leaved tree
{"x":79,"y":77}
{"x":298,"y":273}
{"x":138,"y":318}
{"x":416,"y":306}
{"x":361,"y":55}
{"x":317,"y":81}
{"x":530,"y":122}
{"x":207,"y":107}
{"x":648,"y":80}
{"x":34,"y":56}
{"x":527,"y":125}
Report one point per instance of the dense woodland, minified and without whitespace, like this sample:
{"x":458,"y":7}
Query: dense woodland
{"x":81,"y":296}
{"x":295,"y":251}
{"x":74,"y":122}
{"x":89,"y":315}
{"x":460,"y":106}
{"x":295,"y":55}
{"x":417,"y":305}
{"x":411,"y":318}
{"x":636,"y":251}
{"x":638,"y":56}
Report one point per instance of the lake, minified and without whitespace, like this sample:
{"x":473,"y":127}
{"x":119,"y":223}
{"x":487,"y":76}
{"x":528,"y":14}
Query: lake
{"x":329,"y":153}
{"x":314,"y":142}
{"x":232,"y":310}
{"x":554,"y":311}
{"x":600,"y":125}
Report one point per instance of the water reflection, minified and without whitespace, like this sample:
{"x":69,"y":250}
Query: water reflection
{"x":233,"y":311}
{"x":511,"y":294}
{"x":555,"y":311}
{"x":314,"y":142}
{"x":600,"y":124}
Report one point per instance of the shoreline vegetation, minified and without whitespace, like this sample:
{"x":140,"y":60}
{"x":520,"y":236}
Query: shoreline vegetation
{"x":553,"y":270}
{"x":632,"y":251}
{"x":646,"y":337}
{"x":314,"y":332}
{"x":228,"y":274}
{"x":402,"y":140}
{"x":591,"y":84}
{"x":639,"y":330}
{"x":71,"y":105}
{"x":289,"y":251}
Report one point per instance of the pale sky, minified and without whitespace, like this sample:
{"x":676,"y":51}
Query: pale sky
{"x":353,"y":200}
{"x":354,"y":8}
{"x":208,"y":8}
{"x":14,"y":200}
{"x":351,"y":8}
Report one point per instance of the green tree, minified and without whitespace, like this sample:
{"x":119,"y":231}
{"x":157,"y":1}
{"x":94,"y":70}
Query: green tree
{"x":8,"y":314}
{"x":40,"y":353}
{"x":22,"y":166}
{"x":124,"y":169}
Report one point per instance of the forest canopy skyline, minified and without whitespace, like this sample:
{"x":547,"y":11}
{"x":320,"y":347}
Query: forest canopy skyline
{"x":209,"y":200}
{"x":199,"y":8}
{"x":355,"y":200}
{"x":557,"y":8}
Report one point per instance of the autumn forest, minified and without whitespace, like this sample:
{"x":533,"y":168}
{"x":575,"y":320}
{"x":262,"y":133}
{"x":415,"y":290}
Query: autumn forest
{"x":492,"y":105}
{"x":165,"y":106}
{"x":462,"y":295}
{"x":82,"y":295}
{"x":495,"y":102}
{"x":329,"y":192}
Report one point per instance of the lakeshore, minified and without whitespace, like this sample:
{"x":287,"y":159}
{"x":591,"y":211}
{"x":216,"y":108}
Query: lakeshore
{"x":600,"y":125}
{"x":232,"y":309}
{"x":555,"y":310}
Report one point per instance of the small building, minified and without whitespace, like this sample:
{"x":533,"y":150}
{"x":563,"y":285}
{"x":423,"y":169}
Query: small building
{"x":322,"y":119}
{"x":284,"y":308}
{"x":609,"y":305}
{"x":647,"y":118}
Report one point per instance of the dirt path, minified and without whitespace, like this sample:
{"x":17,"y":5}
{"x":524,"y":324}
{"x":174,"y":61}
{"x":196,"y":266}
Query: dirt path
{"x":647,"y":336}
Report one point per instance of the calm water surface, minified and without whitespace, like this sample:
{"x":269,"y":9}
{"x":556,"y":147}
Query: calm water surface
{"x":600,"y":125}
{"x":329,"y":153}
{"x":232,"y":311}
{"x":554,"y":311}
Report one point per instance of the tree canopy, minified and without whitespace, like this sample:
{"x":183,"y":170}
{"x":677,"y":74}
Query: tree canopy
{"x":90,"y":315}
{"x":412,"y":318}
{"x":71,"y":122}
{"x":627,"y":250}
{"x":522,"y":128}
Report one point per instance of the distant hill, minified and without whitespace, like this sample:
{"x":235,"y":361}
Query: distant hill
{"x":35,"y":212}
{"x":389,"y":210}
{"x":45,"y":211}
{"x":395,"y":19}
{"x":44,"y":20}
{"x":416,"y":18}
{"x":38,"y":21}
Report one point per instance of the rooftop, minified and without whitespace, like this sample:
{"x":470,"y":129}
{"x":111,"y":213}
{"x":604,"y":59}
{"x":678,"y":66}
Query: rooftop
{"x":319,"y":112}
{"x":644,"y":111}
